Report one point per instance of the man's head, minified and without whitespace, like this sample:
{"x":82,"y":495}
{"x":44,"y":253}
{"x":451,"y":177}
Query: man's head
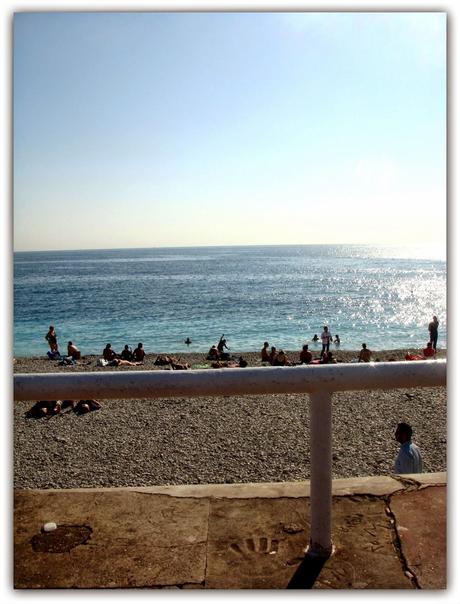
{"x":403,"y":432}
{"x":364,"y":346}
{"x":265,"y":344}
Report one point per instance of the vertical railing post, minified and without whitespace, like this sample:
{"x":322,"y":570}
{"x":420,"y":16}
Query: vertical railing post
{"x":320,"y":473}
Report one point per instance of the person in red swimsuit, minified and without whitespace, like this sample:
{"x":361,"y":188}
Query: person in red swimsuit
{"x":429,"y":351}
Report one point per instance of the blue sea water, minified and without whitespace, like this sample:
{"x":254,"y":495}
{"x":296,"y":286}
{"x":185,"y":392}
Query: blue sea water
{"x":283,"y":294}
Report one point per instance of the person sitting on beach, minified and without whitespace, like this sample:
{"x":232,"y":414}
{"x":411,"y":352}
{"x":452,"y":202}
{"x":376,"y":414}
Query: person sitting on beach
{"x":365,"y":354}
{"x":273,"y":355}
{"x":315,"y":338}
{"x":213,"y":353}
{"x":72,"y":351}
{"x":281,"y":359}
{"x":242,"y":362}
{"x":264,"y":355}
{"x":337,"y":339}
{"x":409,"y":459}
{"x":126,"y":353}
{"x":139,"y":353}
{"x":306,"y":356}
{"x":327,"y":358}
{"x":429,"y":352}
{"x":178,"y":365}
{"x":108,"y":354}
{"x":51,"y":338}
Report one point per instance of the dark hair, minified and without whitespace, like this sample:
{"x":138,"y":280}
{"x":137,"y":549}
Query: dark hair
{"x":405,"y":429}
{"x":70,"y":343}
{"x":364,"y":345}
{"x":139,"y":345}
{"x":108,"y":345}
{"x":126,"y":347}
{"x":265,"y":344}
{"x":305,"y":347}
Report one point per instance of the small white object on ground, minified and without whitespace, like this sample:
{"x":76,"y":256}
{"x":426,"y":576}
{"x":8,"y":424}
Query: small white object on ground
{"x":49,"y":526}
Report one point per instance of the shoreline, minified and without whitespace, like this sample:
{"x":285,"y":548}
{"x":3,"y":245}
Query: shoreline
{"x":237,"y":439}
{"x":41,"y":364}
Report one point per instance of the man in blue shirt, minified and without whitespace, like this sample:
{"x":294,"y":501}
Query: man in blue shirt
{"x":409,"y":459}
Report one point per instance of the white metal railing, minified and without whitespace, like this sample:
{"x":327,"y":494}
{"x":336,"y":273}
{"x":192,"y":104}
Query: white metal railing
{"x":319,"y":381}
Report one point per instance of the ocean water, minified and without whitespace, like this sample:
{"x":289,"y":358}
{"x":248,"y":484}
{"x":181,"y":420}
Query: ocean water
{"x":283,"y":294}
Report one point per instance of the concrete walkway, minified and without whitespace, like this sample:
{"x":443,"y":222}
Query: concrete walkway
{"x":388,"y":532}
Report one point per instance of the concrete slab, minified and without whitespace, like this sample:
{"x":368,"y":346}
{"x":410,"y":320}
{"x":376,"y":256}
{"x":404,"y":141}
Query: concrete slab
{"x":158,"y":537}
{"x":365,"y":556}
{"x":261,"y":545}
{"x":366,"y":485}
{"x":117,"y":539}
{"x":421,"y":526}
{"x":424,"y":480}
{"x":362,"y":485}
{"x":256,"y":543}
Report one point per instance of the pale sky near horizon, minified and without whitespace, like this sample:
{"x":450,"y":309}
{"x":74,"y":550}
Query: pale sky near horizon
{"x":175,"y":129}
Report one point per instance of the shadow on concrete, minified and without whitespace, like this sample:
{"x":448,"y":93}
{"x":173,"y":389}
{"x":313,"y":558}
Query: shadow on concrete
{"x":307,"y":572}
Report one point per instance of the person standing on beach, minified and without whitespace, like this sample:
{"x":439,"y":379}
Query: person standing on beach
{"x":433,"y":329}
{"x":220,"y":347}
{"x":409,"y":459}
{"x":51,"y":338}
{"x":325,"y":339}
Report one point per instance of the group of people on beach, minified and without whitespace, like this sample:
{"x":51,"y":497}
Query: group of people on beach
{"x":126,"y":357}
{"x":326,"y":339}
{"x":218,"y":352}
{"x":50,"y":408}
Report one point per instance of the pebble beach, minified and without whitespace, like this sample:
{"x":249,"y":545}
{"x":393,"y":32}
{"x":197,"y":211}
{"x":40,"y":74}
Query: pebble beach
{"x":262,"y":438}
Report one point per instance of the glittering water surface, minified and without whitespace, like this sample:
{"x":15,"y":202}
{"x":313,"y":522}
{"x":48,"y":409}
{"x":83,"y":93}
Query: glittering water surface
{"x":283,"y":294}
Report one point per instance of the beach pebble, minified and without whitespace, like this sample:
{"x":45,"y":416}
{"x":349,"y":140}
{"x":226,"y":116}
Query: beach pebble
{"x":48,"y":527}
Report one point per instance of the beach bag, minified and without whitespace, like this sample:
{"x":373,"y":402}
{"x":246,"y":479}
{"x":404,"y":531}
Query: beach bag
{"x":102,"y":363}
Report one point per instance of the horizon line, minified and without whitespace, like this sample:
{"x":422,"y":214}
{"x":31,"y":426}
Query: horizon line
{"x":163,"y":247}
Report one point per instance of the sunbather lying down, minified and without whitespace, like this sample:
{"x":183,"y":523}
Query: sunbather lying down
{"x":49,"y":408}
{"x":170,"y":362}
{"x":86,"y":406}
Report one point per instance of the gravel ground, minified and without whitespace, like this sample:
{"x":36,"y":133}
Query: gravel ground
{"x":218,"y":439}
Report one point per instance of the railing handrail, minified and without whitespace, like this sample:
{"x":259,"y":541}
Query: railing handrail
{"x":229,"y":381}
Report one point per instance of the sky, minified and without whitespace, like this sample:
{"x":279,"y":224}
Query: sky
{"x":178,"y":129}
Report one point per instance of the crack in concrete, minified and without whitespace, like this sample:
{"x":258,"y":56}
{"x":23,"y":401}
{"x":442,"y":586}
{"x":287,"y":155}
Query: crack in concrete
{"x":207,"y":543}
{"x":398,"y":545}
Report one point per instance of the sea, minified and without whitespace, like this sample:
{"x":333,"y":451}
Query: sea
{"x":384,"y":296}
